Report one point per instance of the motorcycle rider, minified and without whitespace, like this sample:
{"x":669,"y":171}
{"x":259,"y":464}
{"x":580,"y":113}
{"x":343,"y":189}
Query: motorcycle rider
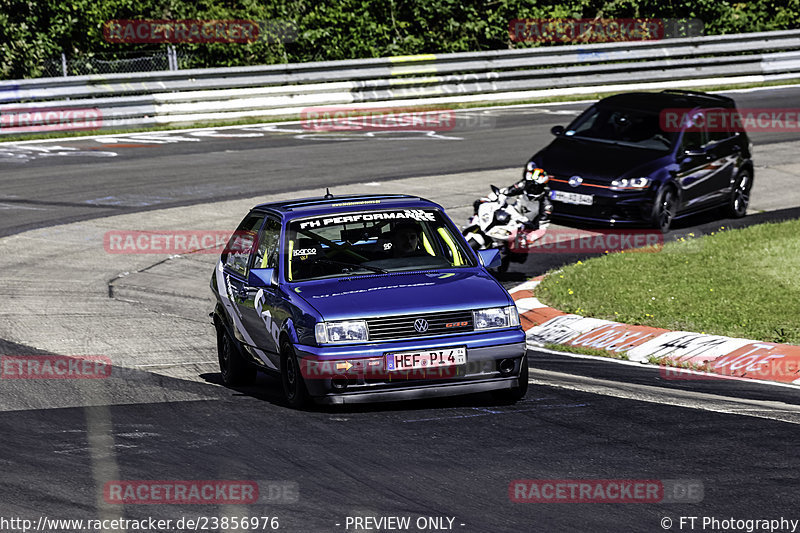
{"x":533,"y":185}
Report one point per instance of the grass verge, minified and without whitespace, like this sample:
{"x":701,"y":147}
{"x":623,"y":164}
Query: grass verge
{"x":740,"y":283}
{"x":586,"y":351}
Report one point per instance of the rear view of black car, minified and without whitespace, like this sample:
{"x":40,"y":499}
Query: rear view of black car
{"x":649,"y":158}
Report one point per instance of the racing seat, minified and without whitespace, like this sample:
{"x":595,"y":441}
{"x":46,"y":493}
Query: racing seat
{"x":301,"y":259}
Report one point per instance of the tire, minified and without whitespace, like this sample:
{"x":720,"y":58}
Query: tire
{"x":665,"y":208}
{"x":234,"y":369}
{"x":294,"y":387}
{"x":740,"y":196}
{"x":517,"y":393}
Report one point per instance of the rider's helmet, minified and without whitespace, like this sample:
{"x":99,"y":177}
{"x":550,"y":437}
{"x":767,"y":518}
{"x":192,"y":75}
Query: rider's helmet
{"x":535,"y":175}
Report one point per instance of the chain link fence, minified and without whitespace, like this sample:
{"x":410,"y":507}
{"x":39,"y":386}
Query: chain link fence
{"x":169,"y":59}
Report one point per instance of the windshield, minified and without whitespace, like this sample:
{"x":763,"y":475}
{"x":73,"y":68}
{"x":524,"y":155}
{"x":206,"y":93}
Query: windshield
{"x":625,"y":127}
{"x":371,"y":242}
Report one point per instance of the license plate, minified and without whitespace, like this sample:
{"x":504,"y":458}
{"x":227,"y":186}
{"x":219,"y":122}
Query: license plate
{"x":571,"y":198}
{"x":424,"y":359}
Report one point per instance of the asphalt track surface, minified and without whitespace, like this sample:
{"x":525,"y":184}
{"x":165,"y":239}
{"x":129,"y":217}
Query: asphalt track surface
{"x":582,"y":419}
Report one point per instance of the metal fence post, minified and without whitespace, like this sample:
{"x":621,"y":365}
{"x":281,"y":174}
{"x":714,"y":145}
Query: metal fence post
{"x":64,"y":64}
{"x":172,"y":58}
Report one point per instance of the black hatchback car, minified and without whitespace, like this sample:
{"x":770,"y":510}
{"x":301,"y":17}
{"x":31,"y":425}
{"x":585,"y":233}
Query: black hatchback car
{"x":649,"y":158}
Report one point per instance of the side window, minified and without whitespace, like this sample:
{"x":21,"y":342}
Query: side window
{"x":695,"y":137}
{"x":237,"y":252}
{"x":267,"y":253}
{"x":724,"y":124}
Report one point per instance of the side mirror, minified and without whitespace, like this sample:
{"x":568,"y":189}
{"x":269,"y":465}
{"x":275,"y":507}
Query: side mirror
{"x":495,"y":189}
{"x":262,"y":277}
{"x":557,"y":130}
{"x":490,"y":257}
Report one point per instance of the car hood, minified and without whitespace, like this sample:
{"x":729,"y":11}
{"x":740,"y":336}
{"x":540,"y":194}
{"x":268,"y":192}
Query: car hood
{"x":595,"y":160}
{"x":403,"y":293}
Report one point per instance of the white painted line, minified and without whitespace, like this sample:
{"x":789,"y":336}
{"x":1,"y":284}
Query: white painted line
{"x":669,"y":396}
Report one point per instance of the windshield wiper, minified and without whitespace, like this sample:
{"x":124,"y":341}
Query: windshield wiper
{"x":345,"y":263}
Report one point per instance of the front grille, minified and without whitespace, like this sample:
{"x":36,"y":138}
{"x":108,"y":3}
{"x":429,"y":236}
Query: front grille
{"x":397,"y":327}
{"x":565,"y":186}
{"x":600,"y":209}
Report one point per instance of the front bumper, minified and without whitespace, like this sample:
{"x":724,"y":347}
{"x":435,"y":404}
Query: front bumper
{"x":482,"y":371}
{"x":415,"y":392}
{"x":608,"y":207}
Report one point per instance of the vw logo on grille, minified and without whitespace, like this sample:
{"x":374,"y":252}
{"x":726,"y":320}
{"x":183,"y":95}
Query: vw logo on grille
{"x":421,"y":325}
{"x":575,"y":181}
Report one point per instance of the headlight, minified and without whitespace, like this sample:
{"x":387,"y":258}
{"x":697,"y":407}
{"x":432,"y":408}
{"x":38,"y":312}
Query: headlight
{"x":501,"y":217}
{"x":350,"y":331}
{"x":630,"y":183}
{"x":497,"y":317}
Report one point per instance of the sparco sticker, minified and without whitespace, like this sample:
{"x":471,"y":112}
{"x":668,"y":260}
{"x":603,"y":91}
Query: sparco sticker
{"x":407,"y":214}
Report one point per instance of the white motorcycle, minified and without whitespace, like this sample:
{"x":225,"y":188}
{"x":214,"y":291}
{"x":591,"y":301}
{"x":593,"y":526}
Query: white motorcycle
{"x":511,"y":228}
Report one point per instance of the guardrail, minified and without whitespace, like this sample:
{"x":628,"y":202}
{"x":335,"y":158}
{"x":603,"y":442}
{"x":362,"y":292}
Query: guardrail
{"x":165,"y":97}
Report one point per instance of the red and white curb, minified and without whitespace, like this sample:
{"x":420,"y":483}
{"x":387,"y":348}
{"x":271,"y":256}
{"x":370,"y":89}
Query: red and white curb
{"x":715,"y":355}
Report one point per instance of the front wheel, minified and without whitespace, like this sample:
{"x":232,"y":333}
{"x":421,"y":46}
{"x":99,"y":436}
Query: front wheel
{"x":294,"y":387}
{"x":665,"y":209}
{"x":740,"y":196}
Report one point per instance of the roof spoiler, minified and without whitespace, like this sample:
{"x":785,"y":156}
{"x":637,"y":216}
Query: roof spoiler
{"x":699,"y":94}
